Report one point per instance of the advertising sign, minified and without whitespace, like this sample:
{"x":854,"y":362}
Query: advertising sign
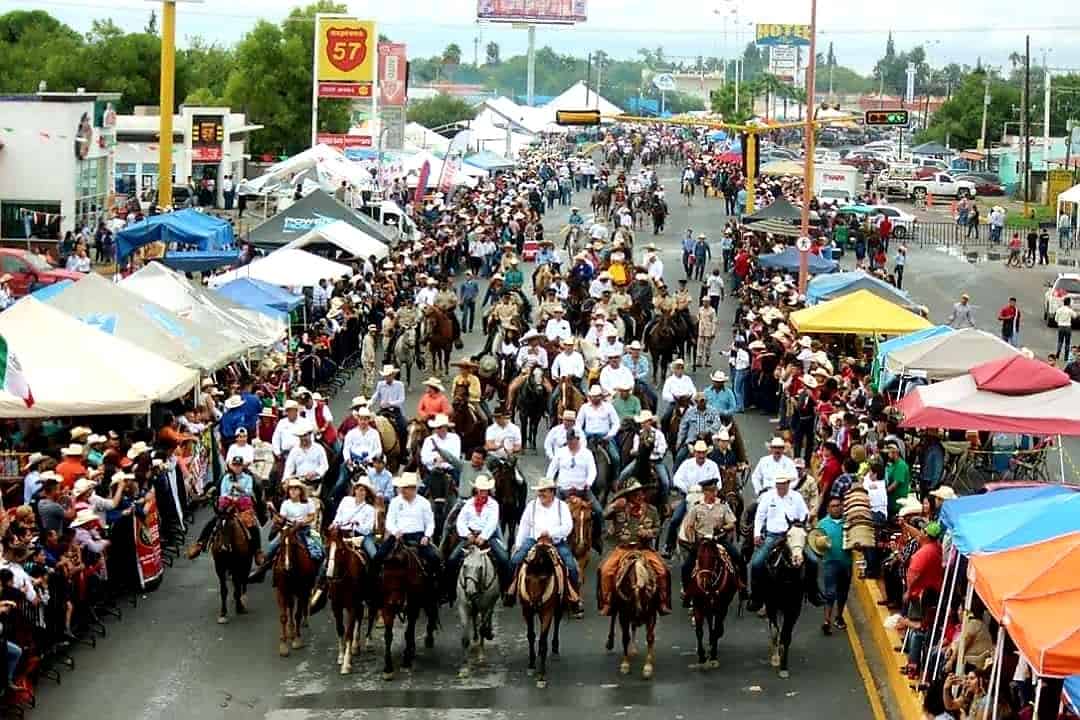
{"x":148,"y":542}
{"x":393,"y":62}
{"x":559,"y":12}
{"x":207,"y":138}
{"x":393,"y":123}
{"x":783,"y":62}
{"x":342,"y":141}
{"x":1057,"y":182}
{"x":345,"y":57}
{"x":664,"y":82}
{"x":782,"y":34}
{"x":421,"y":182}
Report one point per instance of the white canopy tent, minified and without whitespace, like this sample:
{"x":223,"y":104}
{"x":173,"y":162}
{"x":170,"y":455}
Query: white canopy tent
{"x":421,"y":138}
{"x":287,"y":267}
{"x":579,"y":97}
{"x":321,"y":164}
{"x":105,"y":375}
{"x":353,"y":242}
{"x":1068,"y":202}
{"x":468,"y":175}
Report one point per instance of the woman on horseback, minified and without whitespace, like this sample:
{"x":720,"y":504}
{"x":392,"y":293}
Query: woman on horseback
{"x":355,"y":518}
{"x":237,"y":496}
{"x":295,"y":510}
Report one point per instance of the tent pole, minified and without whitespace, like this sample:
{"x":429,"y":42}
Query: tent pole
{"x":1038,"y":694}
{"x":963,"y":619}
{"x":950,"y":565}
{"x":995,"y":675}
{"x":1061,"y":458}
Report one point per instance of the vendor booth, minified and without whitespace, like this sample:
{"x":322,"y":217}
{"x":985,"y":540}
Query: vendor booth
{"x":287,"y":267}
{"x":860,"y":313}
{"x":311,"y":212}
{"x":948,"y":355}
{"x":788,"y":261}
{"x":342,"y":241}
{"x":262,"y":296}
{"x":194,"y":241}
{"x":830,"y":287}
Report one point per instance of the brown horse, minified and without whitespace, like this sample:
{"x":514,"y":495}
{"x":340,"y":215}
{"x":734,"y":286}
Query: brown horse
{"x":468,"y":422}
{"x":570,"y":397}
{"x":662,"y":339}
{"x":671,"y":429}
{"x":232,"y":552}
{"x":347,"y":573}
{"x":712,"y":586}
{"x":417,"y":432}
{"x":405,"y":591}
{"x":541,"y":279}
{"x":581,"y":538}
{"x":635,"y":603}
{"x":542,"y":587}
{"x":509,"y":493}
{"x":438,"y":333}
{"x":294,"y":578}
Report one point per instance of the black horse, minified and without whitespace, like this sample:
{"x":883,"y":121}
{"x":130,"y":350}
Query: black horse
{"x":783,"y":593}
{"x":532,"y":402}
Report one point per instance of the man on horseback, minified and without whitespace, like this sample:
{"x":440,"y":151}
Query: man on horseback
{"x":408,"y":320}
{"x":439,"y":447}
{"x":567,"y":364}
{"x":647,"y":430}
{"x":698,"y":420}
{"x":447,"y":301}
{"x":558,"y":329}
{"x":237,"y":497}
{"x":641,"y":370}
{"x":575,"y":470}
{"x":547,"y":518}
{"x":467,"y":378}
{"x":599,"y":422}
{"x":478,"y":524}
{"x":433,"y":402}
{"x":691,"y":473}
{"x":532,"y":354}
{"x":389,"y":398}
{"x":634,"y":525}
{"x":778,"y":509}
{"x":710,"y":519}
{"x":677,"y":386}
{"x":410,"y":521}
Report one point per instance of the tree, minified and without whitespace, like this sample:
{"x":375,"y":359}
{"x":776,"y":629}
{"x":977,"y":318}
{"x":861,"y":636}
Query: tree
{"x":960,"y":118}
{"x":722,"y":101}
{"x":491,"y":53}
{"x":440,"y":110}
{"x":151,"y":24}
{"x":203,"y":97}
{"x":452,"y":54}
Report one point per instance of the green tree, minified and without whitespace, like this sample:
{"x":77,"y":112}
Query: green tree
{"x":440,"y":110}
{"x":960,"y":118}
{"x":35,"y":46}
{"x":722,"y":101}
{"x":452,"y":54}
{"x":491,"y":53}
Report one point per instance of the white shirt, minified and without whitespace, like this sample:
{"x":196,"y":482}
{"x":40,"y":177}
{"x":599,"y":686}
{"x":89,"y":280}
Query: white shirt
{"x":25,"y":583}
{"x":678,"y":386}
{"x":351,"y":515}
{"x":775,"y":514}
{"x":483,"y":523}
{"x":537,"y":519}
{"x":655,"y":268}
{"x":690,"y":474}
{"x":507,"y":437}
{"x":716,"y":285}
{"x":410,"y":517}
{"x":611,"y":378}
{"x":577,"y":471}
{"x":611,"y":345}
{"x":597,"y":287}
{"x":284,"y":440}
{"x":659,"y":446}
{"x":742,"y":360}
{"x":426,"y":296}
{"x":562,"y":290}
{"x":358,"y":443}
{"x":558,"y":330}
{"x":596,"y":336}
{"x":879,"y":495}
{"x":766,"y":471}
{"x":292,"y":510}
{"x":244,"y":452}
{"x":300,"y":462}
{"x":1064,"y":316}
{"x":564,"y":364}
{"x":555,"y":439}
{"x":431,"y":457}
{"x":598,"y":419}
{"x":598,"y":231}
{"x":537,"y":356}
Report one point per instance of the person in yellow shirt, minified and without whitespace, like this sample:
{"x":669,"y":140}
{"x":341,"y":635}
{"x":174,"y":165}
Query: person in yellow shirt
{"x":467,"y":377}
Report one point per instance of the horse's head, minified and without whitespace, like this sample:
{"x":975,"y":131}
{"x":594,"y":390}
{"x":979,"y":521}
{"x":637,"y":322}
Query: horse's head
{"x":795,"y":542}
{"x":415,"y":435}
{"x":477,"y":577}
{"x":536,"y":377}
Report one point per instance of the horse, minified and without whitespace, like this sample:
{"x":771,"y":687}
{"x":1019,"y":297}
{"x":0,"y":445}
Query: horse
{"x":541,"y":279}
{"x":347,"y":573}
{"x":581,"y":539}
{"x":294,"y":578}
{"x":601,"y":203}
{"x":439,"y":336}
{"x":783,"y":593}
{"x":635,"y":603}
{"x":671,"y":430}
{"x":417,"y":432}
{"x":644,"y":465}
{"x":477,"y":592}
{"x":569,"y":397}
{"x":574,"y":239}
{"x":542,"y":589}
{"x":405,"y":591}
{"x":661,"y":340}
{"x":532,"y":403}
{"x":605,"y":469}
{"x":232,"y":553}
{"x":468,"y":423}
{"x":687,"y":190}
{"x":509,"y":493}
{"x":712,"y":586}
{"x":406,"y":354}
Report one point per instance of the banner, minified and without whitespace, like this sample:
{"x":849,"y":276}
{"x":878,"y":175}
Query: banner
{"x":1057,"y":182}
{"x":344,"y":57}
{"x":393,"y":123}
{"x":781,"y":34}
{"x":561,"y":12}
{"x":148,"y":542}
{"x":455,"y":156}
{"x":341,"y":142}
{"x":393,"y":63}
{"x":421,"y":183}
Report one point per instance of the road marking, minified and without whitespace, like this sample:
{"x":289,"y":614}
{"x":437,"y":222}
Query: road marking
{"x":873,"y":694}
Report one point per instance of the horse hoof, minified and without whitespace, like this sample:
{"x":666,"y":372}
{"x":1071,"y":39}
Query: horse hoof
{"x":297,"y":643}
{"x":463,"y":673}
{"x":579,"y":615}
{"x":774,"y":660}
{"x":712,"y":665}
{"x":346,"y":669}
{"x":647,"y":672}
{"x":624,"y":668}
{"x":283,"y":649}
{"x":784,"y":674}
{"x":541,"y":684}
{"x":222,"y":620}
{"x":388,"y":676}
{"x":341,"y":659}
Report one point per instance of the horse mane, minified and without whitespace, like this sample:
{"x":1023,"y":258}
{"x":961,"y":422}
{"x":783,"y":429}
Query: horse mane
{"x":636,"y":584}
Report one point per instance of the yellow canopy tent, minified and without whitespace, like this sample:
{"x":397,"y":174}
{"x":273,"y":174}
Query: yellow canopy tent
{"x":858,"y":313}
{"x":782,"y":167}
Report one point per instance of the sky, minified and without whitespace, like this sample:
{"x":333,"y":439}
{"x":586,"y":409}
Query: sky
{"x":952,"y":32}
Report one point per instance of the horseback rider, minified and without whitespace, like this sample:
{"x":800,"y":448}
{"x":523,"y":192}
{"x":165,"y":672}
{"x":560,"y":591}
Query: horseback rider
{"x":548,"y":305}
{"x":557,"y":328}
{"x":647,"y":422}
{"x":626,"y":406}
{"x":408,"y":320}
{"x":677,"y":386}
{"x":556,"y":436}
{"x":434,"y":401}
{"x":712,"y":518}
{"x":634,"y":525}
{"x":778,"y":508}
{"x":478,"y":524}
{"x":507,"y":314}
{"x":355,"y":518}
{"x":447,"y":301}
{"x":389,"y":398}
{"x":567,"y":364}
{"x":611,"y":344}
{"x":575,"y":470}
{"x":467,"y":378}
{"x":513,"y":278}
{"x":284,"y":439}
{"x":691,"y":473}
{"x":641,"y":370}
{"x":599,"y":422}
{"x":547,"y":518}
{"x":615,"y":374}
{"x":362,"y":444}
{"x":439,"y":446}
{"x":698,"y":420}
{"x":599,"y":327}
{"x":295,"y":510}
{"x":575,"y":218}
{"x":237,"y":496}
{"x":532,"y":354}
{"x":307,"y":460}
{"x":411,"y":521}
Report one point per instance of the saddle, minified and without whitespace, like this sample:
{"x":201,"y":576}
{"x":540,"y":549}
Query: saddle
{"x":559,"y":582}
{"x":628,"y":563}
{"x":219,"y":541}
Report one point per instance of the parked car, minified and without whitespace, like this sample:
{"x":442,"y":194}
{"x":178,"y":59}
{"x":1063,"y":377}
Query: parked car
{"x":902,"y":221}
{"x":29,"y":272}
{"x":983,"y":186}
{"x":1067,"y":285}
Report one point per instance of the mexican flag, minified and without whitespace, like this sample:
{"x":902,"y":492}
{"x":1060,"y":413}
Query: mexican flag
{"x":12,"y":378}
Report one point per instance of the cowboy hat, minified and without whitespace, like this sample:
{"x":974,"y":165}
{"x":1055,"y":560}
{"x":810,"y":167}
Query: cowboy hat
{"x":596,"y":391}
{"x":464,"y":363}
{"x":636,"y":345}
{"x":783,"y":477}
{"x":631,"y":486}
{"x":644,"y":416}
{"x":809,"y":381}
{"x":96,"y":439}
{"x":33,"y":460}
{"x":678,"y":362}
{"x":544,"y":483}
{"x":121,"y":477}
{"x":388,"y":370}
{"x":483,"y":482}
{"x":82,"y":485}
{"x":532,"y":334}
{"x":292,"y":405}
{"x":6,"y":277}
{"x":84,"y":517}
{"x":407,"y":479}
{"x":233,"y":402}
{"x":363,"y":412}
{"x":49,"y":477}
{"x":567,"y":342}
{"x":439,"y":421}
{"x":435,"y":383}
{"x":700,"y":446}
{"x":719,"y":376}
{"x":302,"y":428}
{"x":363,"y":480}
{"x":805,"y":341}
{"x":908,"y":506}
{"x":569,"y":415}
{"x":944,"y":493}
{"x":80,"y":431}
{"x":72,"y":449}
{"x":818,"y":541}
{"x":722,"y":435}
{"x":301,"y":391}
{"x":777,"y":442}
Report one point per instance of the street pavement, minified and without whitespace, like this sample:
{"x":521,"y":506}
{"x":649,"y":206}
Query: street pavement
{"x":168,"y":659}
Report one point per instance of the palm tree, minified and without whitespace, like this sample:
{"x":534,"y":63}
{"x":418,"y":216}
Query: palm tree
{"x":452,"y":54}
{"x":770,"y":85}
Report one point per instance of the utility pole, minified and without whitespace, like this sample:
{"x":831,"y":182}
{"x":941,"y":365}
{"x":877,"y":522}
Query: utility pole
{"x":530,"y":72}
{"x":588,"y":79}
{"x":1026,"y":121}
{"x":808,"y":165}
{"x":1046,"y":117}
{"x":986,"y":108}
{"x":599,"y":71}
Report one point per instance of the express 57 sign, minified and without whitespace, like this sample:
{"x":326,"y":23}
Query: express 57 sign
{"x":345,"y":57}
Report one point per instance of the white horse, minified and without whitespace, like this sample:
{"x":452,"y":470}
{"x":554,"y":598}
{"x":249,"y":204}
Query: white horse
{"x":477,"y":594}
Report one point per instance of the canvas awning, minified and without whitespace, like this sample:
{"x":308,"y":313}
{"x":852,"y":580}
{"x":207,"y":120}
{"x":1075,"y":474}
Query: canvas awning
{"x":343,"y":237}
{"x":830,"y":287}
{"x":261,"y":296}
{"x":781,"y":228}
{"x":313,"y":211}
{"x":788,"y":260}
{"x":947,"y":356}
{"x":287,"y":267}
{"x":860,"y":313}
{"x":780,"y":209}
{"x":185,"y":227}
{"x":74,"y":369}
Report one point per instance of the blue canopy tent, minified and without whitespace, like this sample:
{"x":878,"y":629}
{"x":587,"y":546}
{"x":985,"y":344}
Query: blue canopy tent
{"x":213,"y":239}
{"x":258,"y":295}
{"x":45,"y":292}
{"x":788,"y":261}
{"x":828,"y":287}
{"x":1061,"y":517}
{"x":1072,"y":692}
{"x":489,"y":161}
{"x":981,"y":521}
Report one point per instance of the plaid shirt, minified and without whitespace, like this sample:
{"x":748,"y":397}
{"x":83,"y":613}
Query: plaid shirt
{"x":696,"y":422}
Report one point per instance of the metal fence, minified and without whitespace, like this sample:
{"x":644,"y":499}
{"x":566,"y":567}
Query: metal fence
{"x":951,"y":234}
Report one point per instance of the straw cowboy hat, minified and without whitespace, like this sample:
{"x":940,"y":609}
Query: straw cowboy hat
{"x":233,"y":402}
{"x":73,"y":449}
{"x":364,"y":412}
{"x":632,"y":486}
{"x":407,"y":479}
{"x":80,"y":431}
{"x":909,"y":506}
{"x":303,"y":428}
{"x":292,"y":405}
{"x":388,"y":370}
{"x":363,"y":481}
{"x":596,"y":391}
{"x":809,"y":381}
{"x":483,"y":482}
{"x":719,"y":376}
{"x":83,"y":485}
{"x":818,"y":541}
{"x":777,"y":442}
{"x":119,"y":477}
{"x":544,"y":483}
{"x":644,"y":416}
{"x":944,"y":493}
{"x":33,"y":460}
{"x":84,"y":517}
{"x":439,"y":421}
{"x":783,"y":478}
{"x":700,"y":446}
{"x":435,"y":382}
{"x":569,"y":415}
{"x":465,"y":363}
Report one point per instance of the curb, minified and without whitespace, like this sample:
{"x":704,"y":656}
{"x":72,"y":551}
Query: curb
{"x":882,"y":643}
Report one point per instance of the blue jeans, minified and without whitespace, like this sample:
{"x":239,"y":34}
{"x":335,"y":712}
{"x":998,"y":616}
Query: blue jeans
{"x":646,"y":388}
{"x":272,"y":548}
{"x":468,"y":315}
{"x":837,"y":583}
{"x":564,"y":553}
{"x":662,"y":474}
{"x":676,"y":522}
{"x":14,"y":652}
{"x":740,"y":389}
{"x":761,"y":555}
{"x":427,"y":553}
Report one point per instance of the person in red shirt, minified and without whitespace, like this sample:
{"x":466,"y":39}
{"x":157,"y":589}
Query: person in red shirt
{"x":742,"y":267}
{"x":72,"y":467}
{"x":433,"y":402}
{"x":1009,"y":317}
{"x":831,"y":468}
{"x":885,"y":229}
{"x":925,"y":570}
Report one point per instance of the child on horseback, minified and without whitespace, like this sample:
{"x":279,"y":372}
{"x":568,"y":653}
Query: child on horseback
{"x":237,"y":495}
{"x":295,"y":510}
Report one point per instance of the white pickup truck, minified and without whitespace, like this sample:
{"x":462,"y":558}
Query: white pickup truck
{"x":938,"y":184}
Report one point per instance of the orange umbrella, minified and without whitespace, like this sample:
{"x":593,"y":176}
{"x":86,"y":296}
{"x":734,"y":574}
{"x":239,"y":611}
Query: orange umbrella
{"x":1027,"y":572}
{"x":1046,"y":629}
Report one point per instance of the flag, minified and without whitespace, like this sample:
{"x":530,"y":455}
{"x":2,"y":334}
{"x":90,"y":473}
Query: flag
{"x":421,"y":183}
{"x":455,"y":155}
{"x":11,"y":375}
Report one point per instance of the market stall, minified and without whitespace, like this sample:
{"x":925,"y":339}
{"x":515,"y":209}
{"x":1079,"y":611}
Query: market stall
{"x":341,"y":239}
{"x":313,"y":211}
{"x":945,"y":356}
{"x":832,"y":286}
{"x":858,"y":313}
{"x":193,"y":241}
{"x":287,"y":267}
{"x":262,"y":296}
{"x":788,"y":261}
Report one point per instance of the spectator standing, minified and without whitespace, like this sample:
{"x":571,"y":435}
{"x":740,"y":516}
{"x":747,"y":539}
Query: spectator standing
{"x":1064,"y":318}
{"x":1010,"y":323}
{"x":836,"y":566}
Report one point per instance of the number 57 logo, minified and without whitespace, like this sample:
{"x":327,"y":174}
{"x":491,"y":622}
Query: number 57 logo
{"x":346,"y":48}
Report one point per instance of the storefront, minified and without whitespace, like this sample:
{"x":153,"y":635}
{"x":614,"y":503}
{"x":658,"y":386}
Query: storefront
{"x":56,"y":161}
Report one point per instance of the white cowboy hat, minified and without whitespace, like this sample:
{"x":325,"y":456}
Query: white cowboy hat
{"x":233,"y":402}
{"x":722,"y":435}
{"x":944,"y":493}
{"x":700,"y":446}
{"x":82,"y":485}
{"x":388,"y":370}
{"x":719,"y":376}
{"x":84,"y":517}
{"x":809,"y":381}
{"x":358,"y":401}
{"x":544,"y":483}
{"x":363,"y":413}
{"x":569,"y":415}
{"x":301,"y":391}
{"x":483,"y":482}
{"x":80,"y":431}
{"x":644,"y":416}
{"x":303,"y":428}
{"x":756,"y":345}
{"x":567,"y":342}
{"x":33,"y":460}
{"x":121,"y":476}
{"x":95,"y":439}
{"x":407,"y":479}
{"x":778,"y":442}
{"x":611,"y":352}
{"x":363,"y":480}
{"x":292,"y":405}
{"x":636,"y":345}
{"x":439,"y":421}
{"x":596,"y":391}
{"x":678,"y":362}
{"x":435,"y":383}
{"x":783,"y":478}
{"x":73,"y":449}
{"x":530,"y":335}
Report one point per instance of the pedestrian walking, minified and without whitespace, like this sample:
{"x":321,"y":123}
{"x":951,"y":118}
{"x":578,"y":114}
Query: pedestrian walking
{"x":715,"y":287}
{"x":963,"y":314}
{"x":1009,"y":316}
{"x":468,"y":292}
{"x":836,"y":565}
{"x":1044,"y":247}
{"x":702,"y":256}
{"x":898,"y":271}
{"x":973,"y":222}
{"x":688,"y":252}
{"x":1063,"y":318}
{"x":1064,"y":228}
{"x":1032,"y":241}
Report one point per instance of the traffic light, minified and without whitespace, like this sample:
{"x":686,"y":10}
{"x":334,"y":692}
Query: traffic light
{"x":577,"y":117}
{"x":889,"y":118}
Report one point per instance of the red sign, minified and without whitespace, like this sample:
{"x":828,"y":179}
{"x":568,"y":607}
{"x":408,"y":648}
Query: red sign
{"x":534,"y":11}
{"x":206,"y":153}
{"x":421,"y":182}
{"x":393,"y":61}
{"x":342,"y":142}
{"x":344,"y":90}
{"x":148,"y":542}
{"x":346,"y":47}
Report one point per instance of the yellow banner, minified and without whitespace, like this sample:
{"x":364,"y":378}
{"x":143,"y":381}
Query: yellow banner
{"x":782,"y":34}
{"x":345,"y":50}
{"x":1057,"y":181}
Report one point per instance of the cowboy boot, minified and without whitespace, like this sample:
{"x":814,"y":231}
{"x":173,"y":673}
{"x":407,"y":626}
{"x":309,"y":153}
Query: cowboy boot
{"x":195,"y":550}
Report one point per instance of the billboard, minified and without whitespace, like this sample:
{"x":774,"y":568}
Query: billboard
{"x":561,"y":12}
{"x":343,"y":141}
{"x":783,"y":62}
{"x":207,"y":138}
{"x":782,"y":34}
{"x":344,"y":57}
{"x":393,"y":63}
{"x":393,"y":124}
